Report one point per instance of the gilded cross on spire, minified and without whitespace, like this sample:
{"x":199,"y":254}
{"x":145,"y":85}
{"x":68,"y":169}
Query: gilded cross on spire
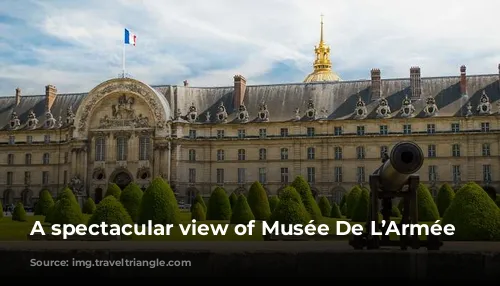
{"x":321,"y":32}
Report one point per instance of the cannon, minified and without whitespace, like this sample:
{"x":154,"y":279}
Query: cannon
{"x":396,"y":177}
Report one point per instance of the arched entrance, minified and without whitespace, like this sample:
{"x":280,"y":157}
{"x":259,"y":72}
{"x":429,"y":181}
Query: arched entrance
{"x":26,"y":197}
{"x":336,"y":194}
{"x":491,"y":191}
{"x":98,"y":195}
{"x":122,"y":179}
{"x":191,"y":194}
{"x":8,"y":197}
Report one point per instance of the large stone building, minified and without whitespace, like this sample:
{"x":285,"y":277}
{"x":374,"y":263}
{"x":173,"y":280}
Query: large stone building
{"x":330,"y":131}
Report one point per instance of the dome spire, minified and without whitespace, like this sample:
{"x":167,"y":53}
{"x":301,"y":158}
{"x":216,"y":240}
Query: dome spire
{"x":322,"y":64}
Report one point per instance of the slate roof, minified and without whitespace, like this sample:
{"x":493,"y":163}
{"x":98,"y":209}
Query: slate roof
{"x":337,"y":98}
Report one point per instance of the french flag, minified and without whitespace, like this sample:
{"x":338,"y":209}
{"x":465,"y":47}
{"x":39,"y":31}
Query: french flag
{"x":130,"y":39}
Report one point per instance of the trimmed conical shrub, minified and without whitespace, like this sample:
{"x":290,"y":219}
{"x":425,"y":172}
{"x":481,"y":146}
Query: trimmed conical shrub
{"x":199,"y":200}
{"x":302,"y":187}
{"x":19,"y":213}
{"x":343,"y":201}
{"x":427,"y":209}
{"x":290,"y":209}
{"x":158,"y":204}
{"x":343,"y":210}
{"x":242,"y":213}
{"x":110,"y":211}
{"x":324,"y":206}
{"x":444,"y":198}
{"x":352,"y":200}
{"x":474,"y":215}
{"x":233,"y":198}
{"x":198,"y":212}
{"x":131,"y":198}
{"x":258,"y":202}
{"x":335,"y":212}
{"x":88,"y":206}
{"x":360,"y":213}
{"x":219,"y":207}
{"x":395,"y":212}
{"x":66,"y":211}
{"x":273,"y":202}
{"x":45,"y":202}
{"x":66,"y":193}
{"x":113,"y":190}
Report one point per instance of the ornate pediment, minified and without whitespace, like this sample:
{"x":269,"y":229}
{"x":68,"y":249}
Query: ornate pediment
{"x":32,"y":121}
{"x":221,"y":115}
{"x":360,"y":110}
{"x":430,"y":108}
{"x":468,"y":108}
{"x":311,"y":109}
{"x":192,"y":115}
{"x":383,"y":109}
{"x":297,"y":114}
{"x":243,"y":116}
{"x":50,"y":121}
{"x":124,"y":114}
{"x":484,"y":106}
{"x":15,"y":123}
{"x":263,"y":114}
{"x":407,"y":108}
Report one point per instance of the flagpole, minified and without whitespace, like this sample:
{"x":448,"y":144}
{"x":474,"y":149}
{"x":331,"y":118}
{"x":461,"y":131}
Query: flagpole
{"x":123,"y":61}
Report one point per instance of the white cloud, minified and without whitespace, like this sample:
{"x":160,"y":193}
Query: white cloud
{"x":207,"y":42}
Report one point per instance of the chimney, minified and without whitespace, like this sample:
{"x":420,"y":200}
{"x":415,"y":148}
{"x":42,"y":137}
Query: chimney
{"x":186,"y":83}
{"x":18,"y":96}
{"x":463,"y":81}
{"x":50,"y":96}
{"x":240,"y":85}
{"x":376,"y":92}
{"x":415,"y":83}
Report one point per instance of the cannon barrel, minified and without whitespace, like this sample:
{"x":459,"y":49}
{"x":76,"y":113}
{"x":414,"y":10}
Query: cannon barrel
{"x":406,"y":158}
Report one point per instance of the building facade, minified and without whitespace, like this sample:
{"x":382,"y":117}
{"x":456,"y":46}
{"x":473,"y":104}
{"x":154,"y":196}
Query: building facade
{"x":332,"y":132}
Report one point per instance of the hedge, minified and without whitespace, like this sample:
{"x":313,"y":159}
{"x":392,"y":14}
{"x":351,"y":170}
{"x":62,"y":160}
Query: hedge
{"x":233,"y":198}
{"x":308,"y":200}
{"x":335,"y":213}
{"x":242,"y":213}
{"x":324,"y":206}
{"x":360,"y":212}
{"x":110,"y":211}
{"x":19,"y":213}
{"x":273,"y":202}
{"x":198,"y":212}
{"x":131,"y":199}
{"x":199,"y":199}
{"x":427,"y":209}
{"x":352,"y":200}
{"x":113,"y":190}
{"x":45,"y":202}
{"x":219,"y":207}
{"x":258,"y":201}
{"x":88,"y":206}
{"x":444,"y":198}
{"x":158,"y":204}
{"x":290,"y":209}
{"x":66,"y":211}
{"x":474,"y":215}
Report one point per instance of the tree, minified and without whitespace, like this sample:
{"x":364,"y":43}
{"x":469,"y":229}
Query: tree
{"x":113,"y":190}
{"x":290,"y":209}
{"x":308,"y":200}
{"x":66,"y":193}
{"x":110,"y":211}
{"x":233,"y":198}
{"x":19,"y":213}
{"x":66,"y":211}
{"x":324,"y":206}
{"x":360,"y":212}
{"x":427,"y":209}
{"x":131,"y":198}
{"x":258,"y":201}
{"x":88,"y":206}
{"x":474,"y":215}
{"x":219,"y":207}
{"x":198,"y":212}
{"x":352,"y":200}
{"x":273,"y":202}
{"x":199,"y":199}
{"x":242,"y":213}
{"x":45,"y":202}
{"x":158,"y":204}
{"x":343,"y":201}
{"x":444,"y":198}
{"x":335,"y":213}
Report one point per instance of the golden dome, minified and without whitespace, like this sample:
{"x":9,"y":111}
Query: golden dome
{"x":322,"y":64}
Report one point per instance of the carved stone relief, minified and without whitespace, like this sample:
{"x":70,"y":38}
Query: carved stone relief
{"x":123,"y":114}
{"x":383,"y":109}
{"x":469,"y":110}
{"x":32,"y":121}
{"x":50,"y":121}
{"x":192,"y":115}
{"x":430,"y":108}
{"x":407,"y":108}
{"x":243,"y":116}
{"x":311,"y":110}
{"x":221,"y":115}
{"x":263,"y":114}
{"x":484,"y":106}
{"x":297,"y":114}
{"x":360,"y":110}
{"x":15,"y":123}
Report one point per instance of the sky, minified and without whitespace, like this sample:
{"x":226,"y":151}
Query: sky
{"x":77,"y":44}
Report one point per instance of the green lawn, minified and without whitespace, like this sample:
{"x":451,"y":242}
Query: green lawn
{"x":15,"y":231}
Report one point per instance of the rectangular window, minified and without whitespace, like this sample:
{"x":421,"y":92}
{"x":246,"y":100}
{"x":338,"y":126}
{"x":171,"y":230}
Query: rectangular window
{"x":220,"y":134}
{"x":338,"y":174}
{"x":431,"y":151}
{"x":432,"y":173}
{"x":337,"y":130}
{"x":192,"y":134}
{"x":487,"y":173}
{"x":241,"y":133}
{"x":284,"y":175}
{"x":486,"y":150}
{"x":310,"y":131}
{"x":383,"y":130}
{"x":455,"y":150}
{"x":485,"y":127}
{"x":10,"y":178}
{"x":455,"y":127}
{"x":284,"y":132}
{"x":220,"y":176}
{"x":360,"y":174}
{"x":311,"y":175}
{"x":46,"y":139}
{"x":45,"y":178}
{"x":431,"y":128}
{"x":360,"y":130}
{"x":100,"y":149}
{"x":284,"y":154}
{"x":456,"y":174}
{"x":407,"y":129}
{"x":262,"y":175}
{"x":262,"y":133}
{"x":192,"y":176}
{"x":338,"y":153}
{"x":241,"y":175}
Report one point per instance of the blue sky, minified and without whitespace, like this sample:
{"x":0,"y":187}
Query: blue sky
{"x":75,"y":45}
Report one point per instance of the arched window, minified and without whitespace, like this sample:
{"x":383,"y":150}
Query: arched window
{"x":100,"y":149}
